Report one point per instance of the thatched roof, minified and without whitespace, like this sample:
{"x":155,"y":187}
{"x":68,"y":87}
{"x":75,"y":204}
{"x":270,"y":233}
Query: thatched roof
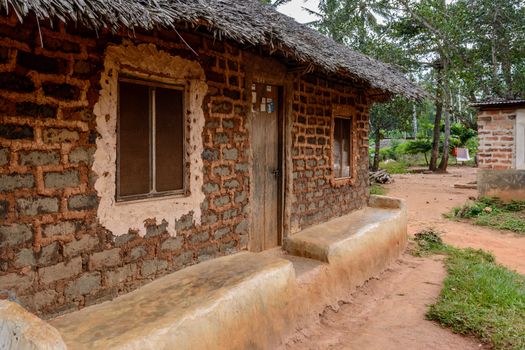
{"x":244,"y":21}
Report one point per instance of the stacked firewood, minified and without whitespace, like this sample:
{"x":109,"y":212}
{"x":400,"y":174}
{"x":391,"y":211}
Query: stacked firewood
{"x":380,"y":176}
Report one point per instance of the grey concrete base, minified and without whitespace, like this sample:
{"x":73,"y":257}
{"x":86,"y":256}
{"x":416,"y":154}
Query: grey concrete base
{"x":246,"y":300}
{"x":507,"y":185}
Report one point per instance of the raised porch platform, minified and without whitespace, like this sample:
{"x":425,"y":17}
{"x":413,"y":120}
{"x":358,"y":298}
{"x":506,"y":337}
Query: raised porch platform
{"x":247,"y":300}
{"x":227,"y":303}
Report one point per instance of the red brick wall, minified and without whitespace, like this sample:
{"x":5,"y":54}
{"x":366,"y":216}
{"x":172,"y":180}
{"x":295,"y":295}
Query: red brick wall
{"x":314,"y":187}
{"x":54,"y":256}
{"x":496,"y":138}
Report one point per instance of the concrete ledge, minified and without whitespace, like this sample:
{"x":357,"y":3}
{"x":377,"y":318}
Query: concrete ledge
{"x":352,"y":249}
{"x":21,"y":330}
{"x":359,"y":236}
{"x":386,"y":202}
{"x":246,"y":300}
{"x":235,"y":302}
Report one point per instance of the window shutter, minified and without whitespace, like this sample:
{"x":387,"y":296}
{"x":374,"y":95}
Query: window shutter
{"x":134,"y":140}
{"x":169,"y":140}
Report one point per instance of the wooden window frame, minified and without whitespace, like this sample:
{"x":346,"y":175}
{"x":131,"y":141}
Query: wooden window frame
{"x":350,"y":152}
{"x":152,"y":84}
{"x":345,"y":112}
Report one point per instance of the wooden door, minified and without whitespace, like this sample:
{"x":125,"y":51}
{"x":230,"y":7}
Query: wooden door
{"x":266,"y":230}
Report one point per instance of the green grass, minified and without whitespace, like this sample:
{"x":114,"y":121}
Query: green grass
{"x":479,"y":297}
{"x":377,"y":189}
{"x":394,"y":167}
{"x":493,"y":213}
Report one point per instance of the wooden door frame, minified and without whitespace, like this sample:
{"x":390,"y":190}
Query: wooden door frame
{"x":264,"y":70}
{"x":282,"y":166}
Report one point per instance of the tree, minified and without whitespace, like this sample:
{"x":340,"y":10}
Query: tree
{"x":459,"y":50}
{"x":353,"y":23}
{"x":396,"y":114}
{"x":429,"y":32}
{"x":419,"y":146}
{"x":495,"y":31}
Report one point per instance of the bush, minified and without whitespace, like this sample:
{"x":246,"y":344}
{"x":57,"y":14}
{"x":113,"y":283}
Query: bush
{"x":419,"y":146}
{"x":387,"y":153}
{"x":462,"y":133}
{"x":472,"y":146}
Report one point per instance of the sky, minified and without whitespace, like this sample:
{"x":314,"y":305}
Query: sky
{"x":295,"y":9}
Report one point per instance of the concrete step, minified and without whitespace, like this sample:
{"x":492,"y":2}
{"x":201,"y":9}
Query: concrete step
{"x":232,"y":302}
{"x":358,"y":245}
{"x":334,"y":239}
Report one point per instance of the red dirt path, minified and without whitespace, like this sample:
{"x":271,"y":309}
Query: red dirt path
{"x":388,"y":312}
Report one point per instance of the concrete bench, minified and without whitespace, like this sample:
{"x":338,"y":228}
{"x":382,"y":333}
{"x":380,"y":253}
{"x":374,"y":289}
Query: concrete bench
{"x":243,"y":301}
{"x":339,"y":237}
{"x":356,"y":246}
{"x":232,"y":302}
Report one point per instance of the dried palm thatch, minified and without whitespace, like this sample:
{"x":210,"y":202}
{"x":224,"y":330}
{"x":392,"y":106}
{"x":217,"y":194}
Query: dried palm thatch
{"x":244,"y":21}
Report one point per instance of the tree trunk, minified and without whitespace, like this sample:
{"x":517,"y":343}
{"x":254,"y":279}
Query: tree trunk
{"x":506,"y":68}
{"x":495,"y":79}
{"x":414,"y":120}
{"x":496,"y":86}
{"x":434,"y":155}
{"x":446,"y":99}
{"x":446,"y":142}
{"x":375,"y":166}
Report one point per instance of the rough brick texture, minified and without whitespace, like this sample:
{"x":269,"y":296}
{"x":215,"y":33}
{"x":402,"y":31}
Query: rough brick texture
{"x":53,"y":253}
{"x":496,"y":138}
{"x":316,"y":102}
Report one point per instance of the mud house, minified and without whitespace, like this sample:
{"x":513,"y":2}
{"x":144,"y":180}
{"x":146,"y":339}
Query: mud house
{"x":501,"y":156}
{"x":139,"y":138}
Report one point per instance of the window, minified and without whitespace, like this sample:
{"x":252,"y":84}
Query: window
{"x":150,"y":140}
{"x":342,"y":147}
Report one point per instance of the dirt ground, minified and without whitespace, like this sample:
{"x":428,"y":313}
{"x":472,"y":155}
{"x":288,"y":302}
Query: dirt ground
{"x":428,"y":196}
{"x":388,"y":312}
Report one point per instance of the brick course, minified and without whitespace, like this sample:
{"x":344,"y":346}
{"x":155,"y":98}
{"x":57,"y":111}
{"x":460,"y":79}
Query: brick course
{"x":316,"y":101}
{"x":54,"y":254}
{"x":496,"y":148}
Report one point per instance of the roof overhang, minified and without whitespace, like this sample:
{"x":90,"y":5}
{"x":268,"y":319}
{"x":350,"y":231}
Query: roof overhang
{"x":498,"y":104}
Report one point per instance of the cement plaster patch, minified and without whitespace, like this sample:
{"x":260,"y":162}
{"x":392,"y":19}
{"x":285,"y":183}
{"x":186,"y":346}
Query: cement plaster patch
{"x":145,"y":61}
